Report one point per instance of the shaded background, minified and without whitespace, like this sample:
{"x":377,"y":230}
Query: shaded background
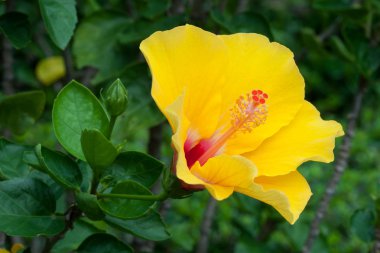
{"x":336,"y":46}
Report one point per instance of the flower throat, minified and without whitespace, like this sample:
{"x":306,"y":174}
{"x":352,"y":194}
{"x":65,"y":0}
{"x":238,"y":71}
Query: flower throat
{"x":249,"y":112}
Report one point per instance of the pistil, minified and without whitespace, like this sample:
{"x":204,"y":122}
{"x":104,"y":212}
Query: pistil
{"x":249,"y":112}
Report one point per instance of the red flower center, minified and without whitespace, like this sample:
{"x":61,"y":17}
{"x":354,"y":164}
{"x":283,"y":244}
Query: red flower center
{"x":249,"y":112}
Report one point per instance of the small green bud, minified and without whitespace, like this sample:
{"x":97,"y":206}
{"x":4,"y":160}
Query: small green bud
{"x":116,"y":98}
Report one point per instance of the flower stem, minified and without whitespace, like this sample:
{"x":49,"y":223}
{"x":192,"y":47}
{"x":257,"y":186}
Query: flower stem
{"x":111,"y":126}
{"x":162,"y":196}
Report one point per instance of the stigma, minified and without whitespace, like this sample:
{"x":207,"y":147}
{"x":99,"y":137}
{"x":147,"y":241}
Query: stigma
{"x":249,"y":111}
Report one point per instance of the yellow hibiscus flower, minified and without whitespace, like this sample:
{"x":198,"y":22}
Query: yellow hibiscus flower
{"x":237,"y":110}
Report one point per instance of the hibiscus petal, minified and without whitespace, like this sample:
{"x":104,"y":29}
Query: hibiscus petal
{"x":221,"y":174}
{"x":307,"y":137}
{"x":178,"y":121}
{"x":288,"y":194}
{"x":255,"y":63}
{"x":191,"y":60}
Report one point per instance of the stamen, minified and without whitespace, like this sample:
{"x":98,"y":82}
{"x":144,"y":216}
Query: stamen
{"x":249,"y":112}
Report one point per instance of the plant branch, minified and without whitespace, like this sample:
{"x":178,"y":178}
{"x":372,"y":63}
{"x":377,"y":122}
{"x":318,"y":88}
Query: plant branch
{"x":198,"y":13}
{"x":68,"y":65}
{"x":7,"y":63}
{"x":155,"y":140}
{"x":72,"y":214}
{"x":177,"y":7}
{"x":333,"y":28}
{"x":330,"y":30}
{"x":242,"y":6}
{"x":340,"y":166}
{"x":208,"y":217}
{"x":87,"y":74}
{"x":7,"y":60}
{"x":3,"y":238}
{"x":159,"y":197}
{"x":376,"y":245}
{"x":41,"y":41}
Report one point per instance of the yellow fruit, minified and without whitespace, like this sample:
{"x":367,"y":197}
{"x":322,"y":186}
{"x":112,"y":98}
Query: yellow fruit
{"x":50,"y":70}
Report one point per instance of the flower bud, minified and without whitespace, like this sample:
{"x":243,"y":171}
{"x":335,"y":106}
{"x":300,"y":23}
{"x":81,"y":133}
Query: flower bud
{"x":116,"y":98}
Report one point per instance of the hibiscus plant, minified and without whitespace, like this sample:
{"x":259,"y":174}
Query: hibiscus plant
{"x":232,"y":103}
{"x":228,"y":135}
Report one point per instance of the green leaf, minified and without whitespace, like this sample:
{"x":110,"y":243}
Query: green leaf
{"x":140,"y":29}
{"x":149,"y":226}
{"x":74,"y":237}
{"x":60,"y":18}
{"x":127,"y":208}
{"x":11,"y":163}
{"x":55,"y":188}
{"x":311,"y":40}
{"x":136,"y":166}
{"x":87,"y":176}
{"x":367,"y":56}
{"x":244,"y":22}
{"x":363,"y":224}
{"x":30,"y":158}
{"x":95,"y":44}
{"x":60,"y":167}
{"x":355,"y":38}
{"x":97,"y":149}
{"x":103,"y":243}
{"x":18,"y":112}
{"x":89,"y":205}
{"x":342,"y":49}
{"x":74,"y":110}
{"x":15,"y":26}
{"x":152,"y":8}
{"x":27,"y":209}
{"x":185,"y":242}
{"x":328,"y":5}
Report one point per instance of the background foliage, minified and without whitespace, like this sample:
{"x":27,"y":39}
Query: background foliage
{"x":47,"y":43}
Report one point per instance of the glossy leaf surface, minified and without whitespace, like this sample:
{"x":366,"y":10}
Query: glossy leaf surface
{"x":149,"y":226}
{"x":76,"y":109}
{"x":136,"y":166}
{"x":97,"y":149}
{"x":103,"y":243}
{"x":60,"y":18}
{"x":126,"y":208}
{"x":60,"y":167}
{"x":15,"y":26}
{"x":27,"y":209}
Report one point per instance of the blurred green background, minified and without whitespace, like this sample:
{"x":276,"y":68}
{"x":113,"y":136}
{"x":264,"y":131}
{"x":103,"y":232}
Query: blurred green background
{"x":335,"y":43}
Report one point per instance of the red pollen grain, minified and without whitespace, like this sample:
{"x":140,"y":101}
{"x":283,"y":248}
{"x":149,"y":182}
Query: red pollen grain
{"x":259,"y":92}
{"x":265,"y":95}
{"x":254,"y":92}
{"x":256,"y":98}
{"x":262,"y":101}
